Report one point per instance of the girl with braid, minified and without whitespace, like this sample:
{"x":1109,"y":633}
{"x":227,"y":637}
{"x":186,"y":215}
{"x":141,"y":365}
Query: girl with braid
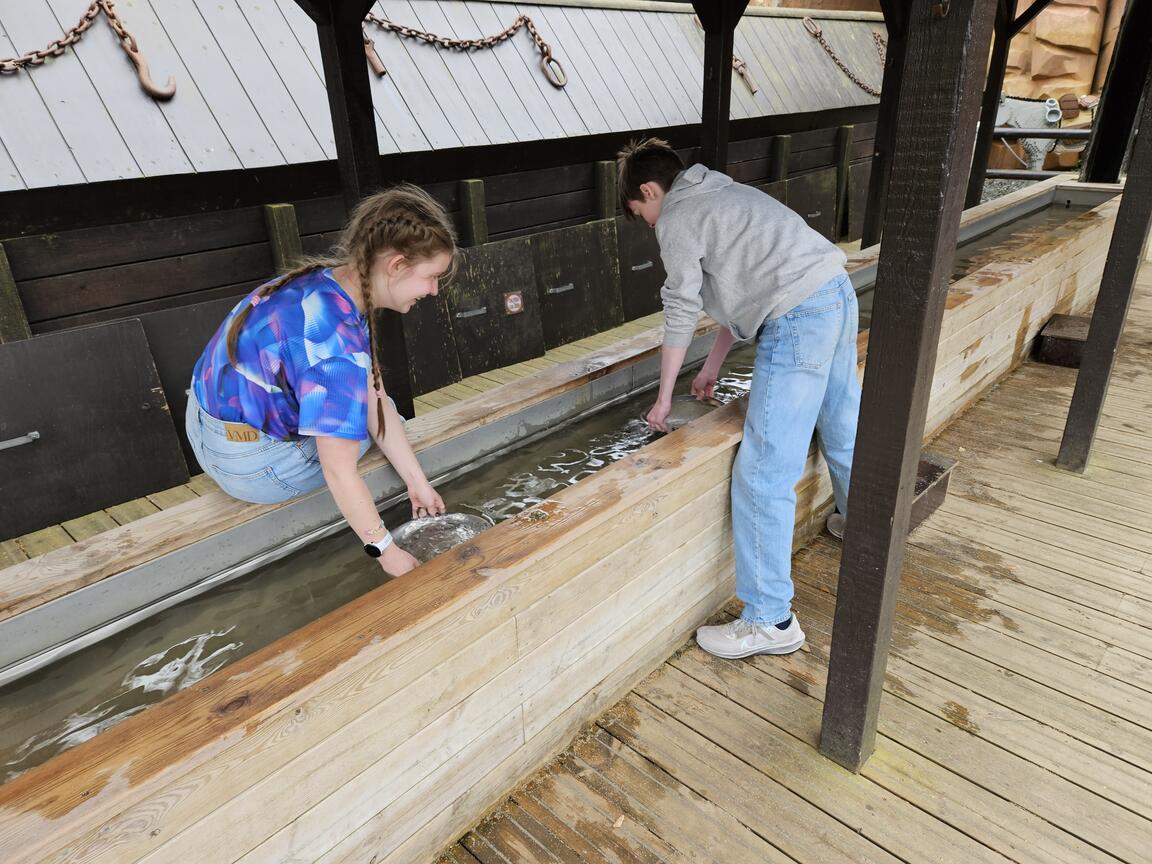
{"x":287,"y":396}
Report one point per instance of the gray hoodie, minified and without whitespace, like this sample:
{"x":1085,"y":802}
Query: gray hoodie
{"x":736,"y":253}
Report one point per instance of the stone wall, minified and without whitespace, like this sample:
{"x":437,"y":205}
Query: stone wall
{"x":1065,"y":50}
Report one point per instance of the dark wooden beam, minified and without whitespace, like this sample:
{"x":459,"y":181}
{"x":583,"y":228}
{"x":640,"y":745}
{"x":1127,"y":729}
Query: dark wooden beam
{"x":1005,"y":11}
{"x":1133,"y":221}
{"x":719,"y":19}
{"x":1028,"y":15}
{"x":13,"y":320}
{"x":936,"y":116}
{"x":885,"y":141}
{"x":1120,"y":103}
{"x":340,"y":27}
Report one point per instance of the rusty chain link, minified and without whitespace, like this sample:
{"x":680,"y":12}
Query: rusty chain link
{"x":549,"y":65}
{"x":881,"y":45}
{"x":11,"y":65}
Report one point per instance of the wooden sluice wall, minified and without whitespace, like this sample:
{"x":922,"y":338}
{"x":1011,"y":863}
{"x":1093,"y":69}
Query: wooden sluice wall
{"x":383,"y":730}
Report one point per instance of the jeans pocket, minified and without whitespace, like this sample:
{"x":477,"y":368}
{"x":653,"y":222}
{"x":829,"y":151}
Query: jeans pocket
{"x":258,"y":487}
{"x":815,"y":333}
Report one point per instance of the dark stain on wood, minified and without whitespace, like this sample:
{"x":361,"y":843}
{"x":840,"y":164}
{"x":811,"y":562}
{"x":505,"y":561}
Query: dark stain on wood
{"x":957,"y":715}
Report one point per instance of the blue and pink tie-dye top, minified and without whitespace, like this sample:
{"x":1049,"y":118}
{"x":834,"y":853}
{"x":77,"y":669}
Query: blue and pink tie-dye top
{"x":303,"y":363}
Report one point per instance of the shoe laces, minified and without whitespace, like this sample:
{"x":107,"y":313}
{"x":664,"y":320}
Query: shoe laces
{"x":739,"y":628}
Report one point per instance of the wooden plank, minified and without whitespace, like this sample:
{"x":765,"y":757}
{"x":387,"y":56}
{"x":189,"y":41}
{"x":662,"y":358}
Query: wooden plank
{"x":130,"y":511}
{"x":903,"y":345}
{"x":471,"y":79}
{"x":76,"y":109}
{"x":521,"y":72}
{"x":140,"y":122}
{"x":44,"y":540}
{"x":461,"y":24}
{"x":686,"y":64}
{"x":271,"y":103}
{"x":88,"y":526}
{"x":752,"y":46}
{"x":11,"y":553}
{"x":283,"y":236}
{"x":584,"y":88}
{"x":202,"y":484}
{"x":475,"y":219}
{"x":598,"y":31}
{"x":303,"y":83}
{"x":536,"y":214}
{"x":205,"y":64}
{"x":652,"y":60}
{"x":970,"y":794}
{"x":38,"y":150}
{"x":775,"y":753}
{"x":90,"y":290}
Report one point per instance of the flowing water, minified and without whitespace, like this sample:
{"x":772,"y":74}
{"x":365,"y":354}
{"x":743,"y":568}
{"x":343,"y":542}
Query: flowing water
{"x":79,"y":696}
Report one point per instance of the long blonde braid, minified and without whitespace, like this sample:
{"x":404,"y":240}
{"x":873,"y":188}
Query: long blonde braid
{"x":404,"y":220}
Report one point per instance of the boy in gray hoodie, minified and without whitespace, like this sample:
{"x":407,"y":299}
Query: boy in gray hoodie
{"x":759,"y":271}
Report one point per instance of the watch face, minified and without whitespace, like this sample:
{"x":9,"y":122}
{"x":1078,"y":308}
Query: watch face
{"x":373,"y":551}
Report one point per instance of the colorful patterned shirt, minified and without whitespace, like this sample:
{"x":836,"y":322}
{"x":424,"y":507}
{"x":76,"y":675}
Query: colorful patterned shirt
{"x":303,"y":363}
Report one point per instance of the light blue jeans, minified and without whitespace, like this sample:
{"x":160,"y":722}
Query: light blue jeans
{"x":265,"y":471}
{"x":804,"y":378}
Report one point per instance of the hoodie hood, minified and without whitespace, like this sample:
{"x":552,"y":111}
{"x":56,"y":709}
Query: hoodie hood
{"x":694,"y":181}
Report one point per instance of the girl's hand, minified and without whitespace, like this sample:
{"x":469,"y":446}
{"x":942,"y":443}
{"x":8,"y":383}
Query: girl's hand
{"x":704,"y":384}
{"x":425,"y":500}
{"x":396,"y":562}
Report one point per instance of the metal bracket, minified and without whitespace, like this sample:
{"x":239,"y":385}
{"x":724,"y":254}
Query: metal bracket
{"x":569,"y":287}
{"x":472,"y":313}
{"x":644,"y":266}
{"x":23,"y":439}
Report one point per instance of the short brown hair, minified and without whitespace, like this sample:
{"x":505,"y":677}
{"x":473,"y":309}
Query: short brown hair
{"x":651,"y":160}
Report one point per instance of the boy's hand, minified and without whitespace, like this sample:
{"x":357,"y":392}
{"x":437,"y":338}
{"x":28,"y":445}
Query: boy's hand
{"x":704,"y":384}
{"x":658,"y":416}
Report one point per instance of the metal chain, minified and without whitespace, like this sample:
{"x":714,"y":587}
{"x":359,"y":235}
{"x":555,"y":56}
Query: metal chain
{"x":549,"y":65}
{"x":10,"y":65}
{"x":881,"y":46}
{"x":127,"y":42}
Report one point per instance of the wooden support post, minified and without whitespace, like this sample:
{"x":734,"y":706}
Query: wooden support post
{"x":1133,"y":221}
{"x":885,"y":142}
{"x":1027,"y":16}
{"x":781,"y":155}
{"x":1005,"y":12}
{"x":607,"y":196}
{"x":283,"y":235}
{"x":719,"y":19}
{"x":936,"y":116}
{"x":473,"y":214}
{"x":843,"y":166}
{"x":1127,"y":71}
{"x":13,"y":321}
{"x":340,"y":27}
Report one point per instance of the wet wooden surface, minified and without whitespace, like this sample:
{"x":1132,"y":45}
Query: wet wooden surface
{"x":1017,"y":718}
{"x":56,"y":536}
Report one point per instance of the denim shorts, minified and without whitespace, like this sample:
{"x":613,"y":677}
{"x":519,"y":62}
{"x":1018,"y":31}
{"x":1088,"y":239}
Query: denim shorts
{"x":264,"y":471}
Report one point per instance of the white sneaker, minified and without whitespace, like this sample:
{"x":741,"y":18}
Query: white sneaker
{"x":742,"y":638}
{"x":835,"y":524}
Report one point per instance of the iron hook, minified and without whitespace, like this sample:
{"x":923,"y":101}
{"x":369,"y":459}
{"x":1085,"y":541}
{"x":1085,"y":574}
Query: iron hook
{"x":161,"y":94}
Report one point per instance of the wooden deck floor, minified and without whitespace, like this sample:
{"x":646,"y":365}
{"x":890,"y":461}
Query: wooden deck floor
{"x":19,"y":549}
{"x":1017,"y":719}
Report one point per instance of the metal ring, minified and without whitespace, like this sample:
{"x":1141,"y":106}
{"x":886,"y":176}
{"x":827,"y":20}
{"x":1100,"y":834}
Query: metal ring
{"x":811,"y":26}
{"x":554,"y":72}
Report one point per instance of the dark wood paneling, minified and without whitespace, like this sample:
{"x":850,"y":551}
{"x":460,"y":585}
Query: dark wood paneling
{"x":521,"y":185}
{"x":135,"y":310}
{"x":106,"y":435}
{"x":110,"y":245}
{"x":432,"y":353}
{"x":641,"y":270}
{"x":809,"y":160}
{"x":538,"y":211}
{"x":493,"y":338}
{"x":858,"y":177}
{"x":536,"y":229}
{"x":749,"y":148}
{"x":577,"y":281}
{"x":778,"y":189}
{"x":74,"y":293}
{"x":177,"y":338}
{"x":813,"y":196}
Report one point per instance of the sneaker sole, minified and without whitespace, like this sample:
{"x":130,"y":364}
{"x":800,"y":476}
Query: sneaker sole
{"x":775,"y":650}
